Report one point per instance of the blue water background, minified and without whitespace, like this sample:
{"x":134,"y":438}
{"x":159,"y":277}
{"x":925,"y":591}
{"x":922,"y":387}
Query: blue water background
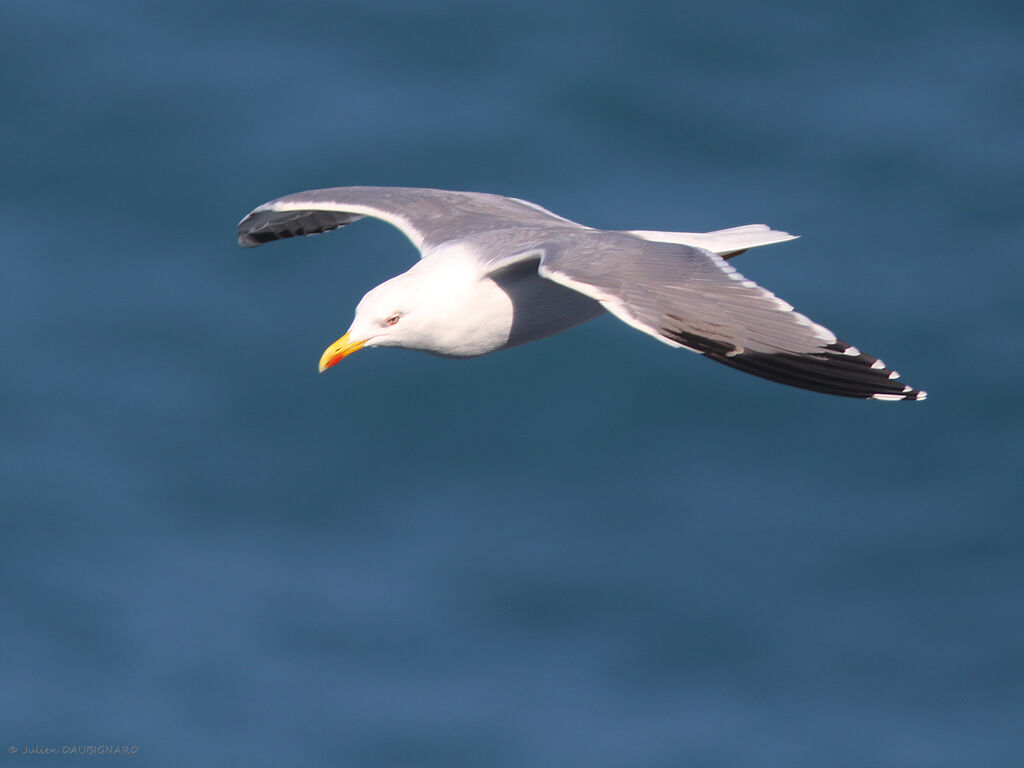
{"x":589,"y":551}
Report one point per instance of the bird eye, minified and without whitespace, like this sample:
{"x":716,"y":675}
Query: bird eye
{"x":393,"y":319}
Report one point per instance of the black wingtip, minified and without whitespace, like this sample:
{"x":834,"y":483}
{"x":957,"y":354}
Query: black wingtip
{"x":264,"y":226}
{"x":250,"y":236}
{"x":838,"y":369}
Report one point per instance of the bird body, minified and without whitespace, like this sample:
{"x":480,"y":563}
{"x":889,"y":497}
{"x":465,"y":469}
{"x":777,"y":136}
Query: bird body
{"x":497,"y":272}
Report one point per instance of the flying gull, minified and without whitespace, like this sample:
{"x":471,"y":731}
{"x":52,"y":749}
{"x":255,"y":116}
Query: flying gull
{"x":496,"y":272}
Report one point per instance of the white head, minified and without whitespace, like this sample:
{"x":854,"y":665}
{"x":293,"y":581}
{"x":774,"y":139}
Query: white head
{"x":440,"y":306}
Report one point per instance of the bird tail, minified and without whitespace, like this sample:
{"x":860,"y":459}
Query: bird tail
{"x":725,"y":242}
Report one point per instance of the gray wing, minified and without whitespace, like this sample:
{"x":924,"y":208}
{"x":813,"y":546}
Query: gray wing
{"x":690,"y":297}
{"x":427,"y":217}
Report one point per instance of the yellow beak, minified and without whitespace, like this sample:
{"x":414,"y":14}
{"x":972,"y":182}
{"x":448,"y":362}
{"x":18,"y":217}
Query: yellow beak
{"x":343,"y":347}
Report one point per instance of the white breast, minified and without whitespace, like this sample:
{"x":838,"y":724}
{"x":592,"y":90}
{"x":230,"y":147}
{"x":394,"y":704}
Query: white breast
{"x":460,"y":312}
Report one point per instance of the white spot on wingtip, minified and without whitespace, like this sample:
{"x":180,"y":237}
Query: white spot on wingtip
{"x":878,"y":365}
{"x":852,"y":352}
{"x":892,"y":374}
{"x":887,"y":397}
{"x":922,"y":395}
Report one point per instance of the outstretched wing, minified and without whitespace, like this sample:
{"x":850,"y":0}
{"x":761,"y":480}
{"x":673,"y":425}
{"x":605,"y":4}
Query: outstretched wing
{"x":427,"y":217}
{"x":690,"y":297}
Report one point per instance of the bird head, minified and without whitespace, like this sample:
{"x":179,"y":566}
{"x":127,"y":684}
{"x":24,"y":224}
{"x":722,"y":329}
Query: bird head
{"x":440,"y":306}
{"x":383,"y":319}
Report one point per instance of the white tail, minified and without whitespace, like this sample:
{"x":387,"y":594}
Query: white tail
{"x":720,"y":241}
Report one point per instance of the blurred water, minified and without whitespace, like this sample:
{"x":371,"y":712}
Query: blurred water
{"x":587,"y":551}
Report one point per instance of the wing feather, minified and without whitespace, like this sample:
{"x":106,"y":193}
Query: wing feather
{"x":428,"y":217}
{"x":690,"y":297}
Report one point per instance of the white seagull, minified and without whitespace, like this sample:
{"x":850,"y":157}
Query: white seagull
{"x":496,"y":272}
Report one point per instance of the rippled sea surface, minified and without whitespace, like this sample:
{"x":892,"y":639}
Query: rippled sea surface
{"x":589,"y":551}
